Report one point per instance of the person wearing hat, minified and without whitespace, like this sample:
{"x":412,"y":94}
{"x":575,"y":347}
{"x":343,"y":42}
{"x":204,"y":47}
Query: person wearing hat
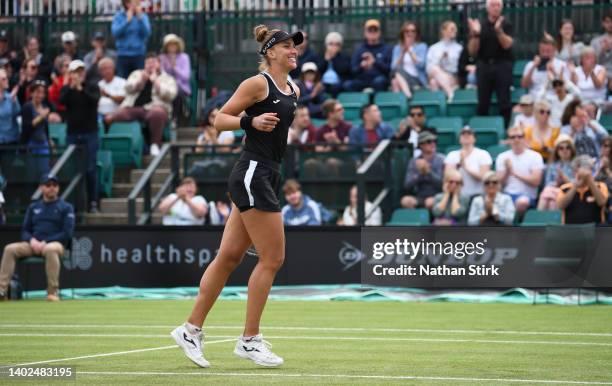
{"x":424,"y":175}
{"x":493,"y":207}
{"x":70,"y":45}
{"x":47,"y":229}
{"x":471,"y":162}
{"x":131,"y":30}
{"x":312,"y":90}
{"x":525,"y":115}
{"x":371,"y":61}
{"x":81,"y":101}
{"x":175,"y":62}
{"x":558,"y":172}
{"x":99,"y":51}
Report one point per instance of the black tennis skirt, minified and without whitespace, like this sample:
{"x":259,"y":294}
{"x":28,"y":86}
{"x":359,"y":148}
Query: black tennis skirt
{"x":255,"y":183}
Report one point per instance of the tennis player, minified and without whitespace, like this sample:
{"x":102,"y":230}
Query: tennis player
{"x":269,"y":100}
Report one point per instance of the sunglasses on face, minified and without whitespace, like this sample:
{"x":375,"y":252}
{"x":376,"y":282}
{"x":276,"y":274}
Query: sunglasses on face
{"x":564,"y":148}
{"x":416,"y":114}
{"x":518,"y":136}
{"x":491,"y":182}
{"x":428,"y":142}
{"x":525,"y":105}
{"x":372,"y":29}
{"x":545,"y":112}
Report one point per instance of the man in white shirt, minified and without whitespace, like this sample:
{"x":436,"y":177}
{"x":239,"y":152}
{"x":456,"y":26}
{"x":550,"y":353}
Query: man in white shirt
{"x":473,"y":163}
{"x":520,"y":171}
{"x":112,"y":88}
{"x":525,"y":117}
{"x":544,"y":66}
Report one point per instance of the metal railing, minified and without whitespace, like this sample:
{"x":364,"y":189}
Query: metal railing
{"x":383,"y":151}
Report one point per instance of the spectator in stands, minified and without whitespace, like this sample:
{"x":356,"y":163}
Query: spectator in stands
{"x":558,"y":172}
{"x":27,"y":76}
{"x":543,"y":67}
{"x":81,"y":101}
{"x":59,"y":79}
{"x":335,"y":131}
{"x":424,"y":175}
{"x":602,"y":45}
{"x":408,"y":61}
{"x":443,"y":60}
{"x":590,"y":77}
{"x":371,"y":61}
{"x":372,"y":128}
{"x":490,"y":41}
{"x":450,"y":207}
{"x":603,"y":168}
{"x":583,"y":201}
{"x":92,"y":58}
{"x":520,"y":171}
{"x":349,"y":216}
{"x":185,"y":206}
{"x":466,"y":71}
{"x":586,"y":133}
{"x":411,"y":126}
{"x":7,"y":53}
{"x":300,"y":208}
{"x":131,"y":30}
{"x":305,"y":55}
{"x":150,"y":93}
{"x":210,"y":137}
{"x":32,"y":51}
{"x":560,"y":99}
{"x":493,"y":207}
{"x":568,"y":49}
{"x":335,"y":65}
{"x":312,"y":90}
{"x":9,"y":111}
{"x":471,"y":162}
{"x":35,"y":130}
{"x":47,"y":229}
{"x":302,"y":131}
{"x":112,"y":89}
{"x":542,"y":135}
{"x":175,"y":62}
{"x":525,"y":117}
{"x":70,"y":45}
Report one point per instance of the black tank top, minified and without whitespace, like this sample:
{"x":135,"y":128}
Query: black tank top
{"x":273,"y":144}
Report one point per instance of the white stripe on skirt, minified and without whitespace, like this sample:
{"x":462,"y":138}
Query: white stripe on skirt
{"x":247,"y":181}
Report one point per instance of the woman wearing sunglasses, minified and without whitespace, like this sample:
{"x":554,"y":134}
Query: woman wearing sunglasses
{"x":493,"y":207}
{"x":542,"y":135}
{"x":558,"y":172}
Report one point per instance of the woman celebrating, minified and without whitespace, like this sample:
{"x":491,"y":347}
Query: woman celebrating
{"x":450,"y":207}
{"x":541,"y":137}
{"x":35,"y":129}
{"x":558,"y":172}
{"x":269,"y":100}
{"x":443,"y":60}
{"x":408,"y":60}
{"x":567,"y":47}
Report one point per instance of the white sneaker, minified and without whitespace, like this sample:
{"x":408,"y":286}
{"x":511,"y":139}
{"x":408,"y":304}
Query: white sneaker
{"x":191,"y":345}
{"x":154,"y":150}
{"x":257,"y":350}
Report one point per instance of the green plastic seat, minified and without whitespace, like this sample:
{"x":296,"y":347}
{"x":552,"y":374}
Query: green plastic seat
{"x":517,"y":72}
{"x":391,"y":104}
{"x":489,"y":130}
{"x":464,"y":104}
{"x":495,"y":151}
{"x":409,"y":217}
{"x":447,"y":137}
{"x":395,"y":122}
{"x":446,"y":123}
{"x":317,"y":122}
{"x":58,"y":132}
{"x":125,"y":141}
{"x":433,"y":102}
{"x":106,"y":171}
{"x":352,"y":103}
{"x":606,"y":121}
{"x":516,"y":95}
{"x":534,"y":217}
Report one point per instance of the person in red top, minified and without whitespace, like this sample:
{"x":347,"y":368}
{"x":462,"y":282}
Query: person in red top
{"x":61,"y":65}
{"x":336,"y":129}
{"x":583,"y":201}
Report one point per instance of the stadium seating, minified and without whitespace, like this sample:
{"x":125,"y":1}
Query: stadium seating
{"x":464,"y":104}
{"x":447,"y":137}
{"x":443,"y":123}
{"x":534,"y":217}
{"x":494,"y":151}
{"x":489,"y":130}
{"x":106,"y":171}
{"x":125,"y":141}
{"x":517,"y":72}
{"x":606,"y":121}
{"x":409,"y":217}
{"x":516,"y":95}
{"x":57,"y":132}
{"x":391,"y":104}
{"x":317,"y":122}
{"x":434,"y":102}
{"x":352,"y":103}
{"x":395,"y":122}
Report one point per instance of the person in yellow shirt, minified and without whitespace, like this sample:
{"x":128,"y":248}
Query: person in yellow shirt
{"x":541,"y":136}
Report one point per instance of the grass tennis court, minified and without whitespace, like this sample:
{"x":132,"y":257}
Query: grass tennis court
{"x":321,"y":342}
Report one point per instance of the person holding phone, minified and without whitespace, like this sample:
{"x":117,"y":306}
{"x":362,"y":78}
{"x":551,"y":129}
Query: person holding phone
{"x":543,"y":67}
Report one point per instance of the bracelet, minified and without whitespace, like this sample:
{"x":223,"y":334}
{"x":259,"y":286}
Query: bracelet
{"x":246,"y":122}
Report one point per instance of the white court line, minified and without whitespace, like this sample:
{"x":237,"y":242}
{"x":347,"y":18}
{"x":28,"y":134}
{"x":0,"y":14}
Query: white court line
{"x":360,"y":338}
{"x":110,"y":354}
{"x":299,"y":328}
{"x":348,"y":376}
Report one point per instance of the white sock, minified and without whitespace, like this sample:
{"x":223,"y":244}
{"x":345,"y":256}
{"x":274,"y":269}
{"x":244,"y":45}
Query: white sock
{"x":192,"y":328}
{"x":248,"y":338}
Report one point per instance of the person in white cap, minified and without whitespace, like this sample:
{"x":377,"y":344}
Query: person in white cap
{"x":312,"y":90}
{"x":81,"y":101}
{"x":70,"y":45}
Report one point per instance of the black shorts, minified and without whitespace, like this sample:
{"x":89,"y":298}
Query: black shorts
{"x":255,"y":183}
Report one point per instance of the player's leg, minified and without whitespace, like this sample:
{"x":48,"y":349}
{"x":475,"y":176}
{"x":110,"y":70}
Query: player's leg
{"x":267,"y":233}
